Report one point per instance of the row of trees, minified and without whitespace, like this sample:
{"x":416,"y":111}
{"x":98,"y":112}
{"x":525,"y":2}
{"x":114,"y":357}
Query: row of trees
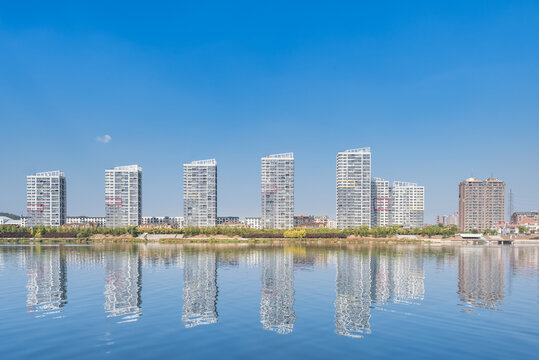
{"x":63,"y":232}
{"x":365,"y":231}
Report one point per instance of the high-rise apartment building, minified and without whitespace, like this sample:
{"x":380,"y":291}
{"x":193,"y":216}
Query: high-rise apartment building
{"x":380,"y":202}
{"x":406,"y":204}
{"x":200,"y":193}
{"x":481,"y":204}
{"x":123,"y":196}
{"x":354,"y":188}
{"x":277,"y":188}
{"x":46,"y":198}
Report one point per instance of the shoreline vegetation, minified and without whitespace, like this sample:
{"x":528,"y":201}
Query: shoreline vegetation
{"x":48,"y":234}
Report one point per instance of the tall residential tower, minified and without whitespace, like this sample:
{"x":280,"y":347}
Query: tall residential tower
{"x":46,"y":198}
{"x":481,"y":204}
{"x":123,"y":196}
{"x":380,"y":202}
{"x":277,"y":188}
{"x":354,"y":188}
{"x":200,"y":193}
{"x":406,"y":204}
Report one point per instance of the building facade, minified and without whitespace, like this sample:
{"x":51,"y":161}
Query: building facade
{"x":227,"y":219}
{"x":46,"y":198}
{"x":86,"y":220}
{"x":123,"y":196}
{"x":277,"y":190}
{"x":380,"y":202}
{"x":303,"y":219}
{"x":253,"y":222}
{"x":323,"y":220}
{"x":354,"y":188}
{"x":200,"y":193}
{"x":448,"y":220}
{"x":481,"y":204}
{"x":173,"y":221}
{"x":406,"y":204}
{"x":519,"y":217}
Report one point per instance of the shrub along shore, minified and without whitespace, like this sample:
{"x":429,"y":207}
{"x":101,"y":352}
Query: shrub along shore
{"x":131,"y":232}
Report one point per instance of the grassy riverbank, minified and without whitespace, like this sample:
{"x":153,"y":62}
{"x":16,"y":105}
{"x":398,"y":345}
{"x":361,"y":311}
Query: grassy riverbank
{"x":10,"y":231}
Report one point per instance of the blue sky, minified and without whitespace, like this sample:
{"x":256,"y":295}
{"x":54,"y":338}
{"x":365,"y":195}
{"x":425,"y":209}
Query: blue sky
{"x":439,"y":91}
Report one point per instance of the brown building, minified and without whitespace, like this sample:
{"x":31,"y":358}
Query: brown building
{"x":481,"y":204}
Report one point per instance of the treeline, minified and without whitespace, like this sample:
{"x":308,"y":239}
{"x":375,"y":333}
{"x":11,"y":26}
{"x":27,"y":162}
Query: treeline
{"x":13,"y":231}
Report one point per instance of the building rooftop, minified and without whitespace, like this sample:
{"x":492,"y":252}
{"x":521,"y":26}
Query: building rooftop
{"x":49,"y":173}
{"x":280,"y":156}
{"x":128,"y":168}
{"x":357,"y":151}
{"x":202,"y":162}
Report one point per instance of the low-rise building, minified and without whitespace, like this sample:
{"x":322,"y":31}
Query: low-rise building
{"x":324,"y":220}
{"x":233,"y":224}
{"x":173,"y":221}
{"x":83,"y":221}
{"x":302,"y":219}
{"x":253,"y":222}
{"x":227,"y":219}
{"x":309,"y":225}
{"x":518,"y":217}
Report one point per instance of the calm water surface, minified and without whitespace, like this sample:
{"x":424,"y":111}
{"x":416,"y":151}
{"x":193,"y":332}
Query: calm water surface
{"x":144,"y":301}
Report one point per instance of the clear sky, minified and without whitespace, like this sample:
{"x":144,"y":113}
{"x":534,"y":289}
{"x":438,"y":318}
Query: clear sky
{"x":439,"y":90}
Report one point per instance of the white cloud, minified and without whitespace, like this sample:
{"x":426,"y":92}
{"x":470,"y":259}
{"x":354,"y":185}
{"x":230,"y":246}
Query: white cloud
{"x":104,"y":139}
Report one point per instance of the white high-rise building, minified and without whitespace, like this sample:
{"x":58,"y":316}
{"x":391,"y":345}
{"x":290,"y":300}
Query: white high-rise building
{"x":46,"y":198}
{"x":200,"y":193}
{"x":380,"y":202}
{"x":354,"y":188}
{"x":277,"y":188}
{"x":123,"y":196}
{"x":406,"y":204}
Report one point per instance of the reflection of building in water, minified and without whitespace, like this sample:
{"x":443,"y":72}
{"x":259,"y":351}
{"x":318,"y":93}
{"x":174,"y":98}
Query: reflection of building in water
{"x":353,"y":285}
{"x":407,"y":272}
{"x":481,"y":277}
{"x":380,"y":285}
{"x":200,"y":289}
{"x":47,"y":291}
{"x":123,"y":285}
{"x":277,"y":298}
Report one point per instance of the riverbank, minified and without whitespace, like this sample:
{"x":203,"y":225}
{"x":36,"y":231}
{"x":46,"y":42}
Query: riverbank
{"x":226,"y":239}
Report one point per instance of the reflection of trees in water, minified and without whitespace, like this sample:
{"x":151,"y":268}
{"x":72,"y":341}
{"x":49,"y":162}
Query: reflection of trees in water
{"x":200,"y":289}
{"x":481,"y":277}
{"x":123,"y":278}
{"x":46,"y":271}
{"x":277,"y":294}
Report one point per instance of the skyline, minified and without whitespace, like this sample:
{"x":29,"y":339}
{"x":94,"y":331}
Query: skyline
{"x":182,"y":191}
{"x":440,"y":92}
